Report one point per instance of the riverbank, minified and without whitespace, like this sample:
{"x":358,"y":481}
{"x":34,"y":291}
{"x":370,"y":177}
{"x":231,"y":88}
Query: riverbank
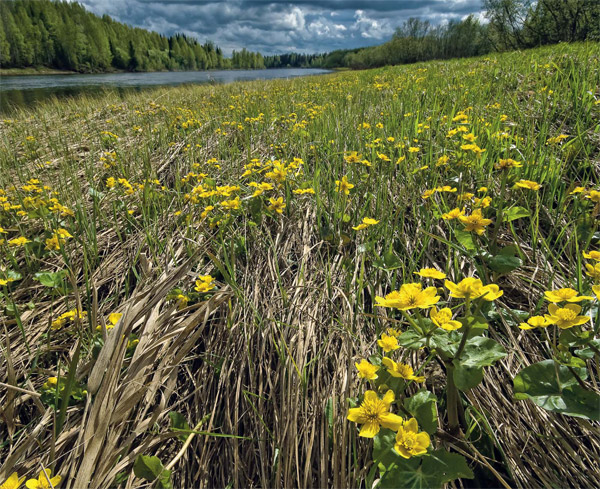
{"x":34,"y":71}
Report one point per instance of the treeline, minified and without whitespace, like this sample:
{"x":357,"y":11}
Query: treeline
{"x":513,"y":24}
{"x":65,"y":36}
{"x":294,"y":60}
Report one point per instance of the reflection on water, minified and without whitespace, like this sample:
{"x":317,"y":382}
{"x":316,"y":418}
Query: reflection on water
{"x":25,"y":91}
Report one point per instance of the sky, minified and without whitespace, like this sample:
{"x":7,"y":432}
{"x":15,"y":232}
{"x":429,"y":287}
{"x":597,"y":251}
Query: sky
{"x":273,"y":27}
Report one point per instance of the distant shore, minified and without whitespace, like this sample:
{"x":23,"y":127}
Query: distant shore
{"x":34,"y":71}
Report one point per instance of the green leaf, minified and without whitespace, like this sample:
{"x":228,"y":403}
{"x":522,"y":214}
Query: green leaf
{"x":178,"y":422}
{"x":478,"y":325}
{"x":50,"y":279}
{"x":555,"y":388}
{"x":411,"y":339}
{"x":383,"y":454}
{"x":431,"y":471}
{"x":445,"y":342}
{"x":481,"y":352}
{"x":465,"y":239}
{"x":390,"y":260}
{"x":504,"y":263}
{"x":466,"y":378}
{"x":95,"y":193}
{"x":151,"y":468}
{"x":515,"y":213}
{"x":588,"y":353}
{"x":569,"y":337}
{"x":422,"y":407}
{"x":14,"y":275}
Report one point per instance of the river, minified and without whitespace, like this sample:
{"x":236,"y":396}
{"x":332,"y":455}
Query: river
{"x":28,"y":90}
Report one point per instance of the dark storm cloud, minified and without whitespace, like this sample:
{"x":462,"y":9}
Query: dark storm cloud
{"x":275,"y":27}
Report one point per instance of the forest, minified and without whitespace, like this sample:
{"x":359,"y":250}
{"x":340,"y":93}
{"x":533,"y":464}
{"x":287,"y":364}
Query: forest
{"x":509,"y":25}
{"x":64,"y":36}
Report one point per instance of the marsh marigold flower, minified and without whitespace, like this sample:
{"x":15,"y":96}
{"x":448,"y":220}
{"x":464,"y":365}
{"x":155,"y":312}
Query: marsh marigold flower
{"x":374,"y":413}
{"x":13,"y":482}
{"x":277,"y":205}
{"x":344,"y":185}
{"x":409,"y":296}
{"x":528,"y":184}
{"x":535,"y":322}
{"x":366,"y":222}
{"x":593,"y":271}
{"x":366,"y":370}
{"x":431,"y":273}
{"x":565,"y":295}
{"x":409,"y":442}
{"x":443,"y":319}
{"x":475,"y":222}
{"x":401,"y":370}
{"x":565,"y":317}
{"x":388,"y":343}
{"x":507,"y":164}
{"x":472,"y":288}
{"x":42,"y":481}
{"x":204,"y":284}
{"x":592,"y":255}
{"x":16,"y":242}
{"x":455,"y":213}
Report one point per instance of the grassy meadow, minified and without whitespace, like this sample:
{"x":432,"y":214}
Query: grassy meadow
{"x":194,"y":273}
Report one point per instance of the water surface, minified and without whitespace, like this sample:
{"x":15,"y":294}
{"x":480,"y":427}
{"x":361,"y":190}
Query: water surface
{"x":24,"y":91}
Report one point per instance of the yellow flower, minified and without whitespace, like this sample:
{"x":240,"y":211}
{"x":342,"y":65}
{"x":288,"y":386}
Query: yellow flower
{"x":535,"y":322}
{"x":409,"y":442}
{"x":565,"y":317}
{"x":204,"y":284}
{"x":42,"y":481}
{"x":277,"y":205}
{"x":475,"y":222}
{"x":400,"y":370}
{"x":231,"y":204}
{"x":344,"y":185}
{"x":113,"y":319}
{"x":13,"y":482}
{"x":594,"y":196}
{"x":592,"y":255}
{"x":388,"y":343}
{"x":374,"y":413}
{"x":394,"y":332}
{"x":593,"y":271}
{"x":20,"y":241}
{"x":565,"y":295}
{"x":528,"y":184}
{"x":431,"y":273}
{"x":577,"y":190}
{"x":507,"y":164}
{"x":366,"y":370}
{"x":353,"y":157}
{"x":443,"y":319}
{"x":455,"y":213}
{"x":409,"y":296}
{"x":302,"y":191}
{"x":366,"y":222}
{"x":472,"y":288}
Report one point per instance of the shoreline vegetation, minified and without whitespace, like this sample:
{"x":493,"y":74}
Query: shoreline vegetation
{"x":51,"y":71}
{"x":384,"y":274}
